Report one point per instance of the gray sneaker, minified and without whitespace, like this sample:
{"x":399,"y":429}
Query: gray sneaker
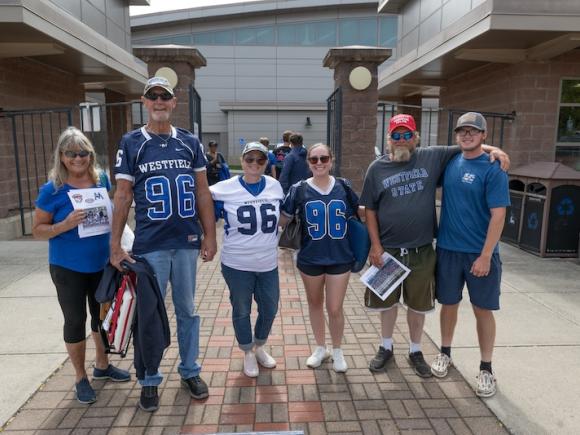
{"x":418,"y":363}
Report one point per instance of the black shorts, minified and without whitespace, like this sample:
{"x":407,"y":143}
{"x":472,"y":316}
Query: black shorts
{"x":315,"y":270}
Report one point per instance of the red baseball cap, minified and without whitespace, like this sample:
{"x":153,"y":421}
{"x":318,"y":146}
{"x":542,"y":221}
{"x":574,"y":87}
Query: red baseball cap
{"x":402,"y":120}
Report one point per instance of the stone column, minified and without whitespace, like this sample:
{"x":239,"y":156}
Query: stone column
{"x":359,"y":107}
{"x":184,"y":61}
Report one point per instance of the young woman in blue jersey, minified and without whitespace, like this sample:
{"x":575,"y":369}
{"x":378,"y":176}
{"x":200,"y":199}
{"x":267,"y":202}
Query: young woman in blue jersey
{"x":250,"y":207}
{"x":76,"y":264}
{"x":325,"y":259}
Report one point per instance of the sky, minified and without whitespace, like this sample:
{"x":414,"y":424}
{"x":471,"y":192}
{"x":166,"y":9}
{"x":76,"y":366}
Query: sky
{"x":170,"y":5}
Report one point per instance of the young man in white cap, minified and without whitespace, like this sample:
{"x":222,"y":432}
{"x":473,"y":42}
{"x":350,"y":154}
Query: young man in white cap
{"x":399,"y":196}
{"x":475,"y":197}
{"x":162,"y":168}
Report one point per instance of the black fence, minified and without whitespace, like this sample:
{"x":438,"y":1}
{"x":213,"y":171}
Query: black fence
{"x":334,"y":126}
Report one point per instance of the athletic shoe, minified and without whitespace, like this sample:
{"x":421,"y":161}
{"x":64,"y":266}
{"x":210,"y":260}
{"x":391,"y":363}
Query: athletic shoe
{"x":319,"y":355}
{"x":149,"y":400}
{"x":383,"y":356}
{"x":251,"y":369}
{"x":196,"y":386}
{"x":113,"y":373}
{"x":440,"y":365}
{"x":339,"y":364}
{"x":418,"y":363}
{"x":264,"y":358}
{"x":486,"y":384}
{"x":84,"y":392}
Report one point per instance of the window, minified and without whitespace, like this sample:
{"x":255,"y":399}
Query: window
{"x":568,"y":137}
{"x":255,"y":36}
{"x":388,"y":32}
{"x":321,"y":33}
{"x":362,"y":31}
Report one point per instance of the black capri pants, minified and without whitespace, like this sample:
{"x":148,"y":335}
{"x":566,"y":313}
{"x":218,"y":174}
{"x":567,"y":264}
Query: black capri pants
{"x":73,"y":290}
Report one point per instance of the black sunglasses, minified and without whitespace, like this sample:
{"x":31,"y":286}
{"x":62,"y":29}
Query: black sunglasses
{"x":259,"y":160}
{"x":165,"y":96}
{"x":74,"y":154}
{"x":323,"y":159}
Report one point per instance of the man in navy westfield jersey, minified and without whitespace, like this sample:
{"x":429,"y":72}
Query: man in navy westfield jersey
{"x":163,"y":168}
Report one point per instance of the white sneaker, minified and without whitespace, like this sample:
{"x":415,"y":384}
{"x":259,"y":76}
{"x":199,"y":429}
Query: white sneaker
{"x":251,"y":369}
{"x":339,"y":364}
{"x":440,"y":365}
{"x":319,"y":355}
{"x":264,"y":358}
{"x":486,"y":384}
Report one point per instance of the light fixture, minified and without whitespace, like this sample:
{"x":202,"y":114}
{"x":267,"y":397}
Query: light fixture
{"x":308,"y":122}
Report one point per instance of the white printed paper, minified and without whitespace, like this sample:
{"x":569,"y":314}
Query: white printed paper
{"x":385,"y":280}
{"x":97,"y":206}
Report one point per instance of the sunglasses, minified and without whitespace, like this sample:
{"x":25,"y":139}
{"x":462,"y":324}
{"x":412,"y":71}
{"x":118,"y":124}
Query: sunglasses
{"x":165,"y":96}
{"x":259,"y":160}
{"x":75,"y":154}
{"x":323,"y":159}
{"x":408,"y":135}
{"x":464,"y":132}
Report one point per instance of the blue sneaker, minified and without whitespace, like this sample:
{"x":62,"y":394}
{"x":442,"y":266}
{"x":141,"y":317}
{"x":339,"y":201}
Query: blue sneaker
{"x":84,"y":392}
{"x":113,"y":373}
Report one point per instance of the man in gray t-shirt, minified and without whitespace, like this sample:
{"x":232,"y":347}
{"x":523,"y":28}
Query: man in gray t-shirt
{"x":399,"y":196}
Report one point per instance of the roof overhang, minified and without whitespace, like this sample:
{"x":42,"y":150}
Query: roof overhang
{"x":482,"y":36}
{"x":41,"y":30}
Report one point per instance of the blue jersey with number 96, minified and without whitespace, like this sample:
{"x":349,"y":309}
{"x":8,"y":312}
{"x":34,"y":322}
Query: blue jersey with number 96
{"x":162,"y":170}
{"x":324,"y":222}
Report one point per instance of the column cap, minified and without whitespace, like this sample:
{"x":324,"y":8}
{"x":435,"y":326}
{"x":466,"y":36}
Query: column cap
{"x":170,"y":54}
{"x":355,"y":53}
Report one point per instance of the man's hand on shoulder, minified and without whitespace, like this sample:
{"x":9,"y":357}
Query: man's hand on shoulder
{"x":498,"y":154}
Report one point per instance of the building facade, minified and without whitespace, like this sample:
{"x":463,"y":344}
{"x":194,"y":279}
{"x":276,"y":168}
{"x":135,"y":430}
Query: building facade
{"x":264,"y":70}
{"x":508,"y":56}
{"x":53,"y":54}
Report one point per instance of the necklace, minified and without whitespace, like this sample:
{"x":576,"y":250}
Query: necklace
{"x":163,"y":141}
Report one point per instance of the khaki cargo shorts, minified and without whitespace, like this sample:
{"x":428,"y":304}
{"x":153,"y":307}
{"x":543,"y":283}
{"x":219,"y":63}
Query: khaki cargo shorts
{"x":418,"y":288}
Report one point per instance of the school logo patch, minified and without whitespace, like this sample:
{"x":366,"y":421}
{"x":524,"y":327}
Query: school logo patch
{"x":468,"y":178}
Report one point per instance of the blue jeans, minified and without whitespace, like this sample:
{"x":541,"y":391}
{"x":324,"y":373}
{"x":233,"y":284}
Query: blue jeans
{"x":265,"y":288}
{"x":178,"y":266}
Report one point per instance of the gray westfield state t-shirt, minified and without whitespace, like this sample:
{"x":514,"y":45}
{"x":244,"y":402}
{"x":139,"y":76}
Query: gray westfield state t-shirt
{"x":403,"y":196}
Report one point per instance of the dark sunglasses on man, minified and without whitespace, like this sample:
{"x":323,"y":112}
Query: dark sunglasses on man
{"x":152,"y":96}
{"x":408,"y":135}
{"x":323,"y":159}
{"x":74,"y":154}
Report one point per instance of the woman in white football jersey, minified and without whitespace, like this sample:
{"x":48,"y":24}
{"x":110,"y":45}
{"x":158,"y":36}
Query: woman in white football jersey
{"x":250,"y":207}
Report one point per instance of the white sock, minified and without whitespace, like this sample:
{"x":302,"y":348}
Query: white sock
{"x":414,"y":347}
{"x":388,"y":343}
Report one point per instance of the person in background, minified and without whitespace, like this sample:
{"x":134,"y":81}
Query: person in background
{"x":250,"y":207}
{"x":325,"y":258}
{"x":271,"y":164}
{"x":215,"y":160}
{"x":76,"y":264}
{"x":163,"y":169}
{"x":295,"y":166}
{"x":475,"y":197}
{"x":282,"y":151}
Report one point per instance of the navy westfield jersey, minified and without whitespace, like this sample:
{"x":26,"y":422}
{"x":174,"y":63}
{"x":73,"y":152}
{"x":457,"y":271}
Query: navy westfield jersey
{"x":324,"y":217}
{"x":162,"y":169}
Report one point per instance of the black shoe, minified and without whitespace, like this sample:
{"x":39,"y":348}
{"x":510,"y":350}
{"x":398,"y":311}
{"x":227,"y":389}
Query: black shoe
{"x":383,"y":356}
{"x":149,"y":400}
{"x":418,"y":363}
{"x":197,"y":387}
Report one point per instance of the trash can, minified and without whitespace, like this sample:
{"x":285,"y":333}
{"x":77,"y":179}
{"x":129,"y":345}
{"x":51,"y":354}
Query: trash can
{"x":544,"y":217}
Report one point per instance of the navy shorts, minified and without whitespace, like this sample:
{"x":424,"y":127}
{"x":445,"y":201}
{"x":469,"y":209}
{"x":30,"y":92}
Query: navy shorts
{"x":453,"y":272}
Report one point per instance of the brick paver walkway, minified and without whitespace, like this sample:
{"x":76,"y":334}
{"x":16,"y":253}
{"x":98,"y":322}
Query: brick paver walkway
{"x":289,"y":397}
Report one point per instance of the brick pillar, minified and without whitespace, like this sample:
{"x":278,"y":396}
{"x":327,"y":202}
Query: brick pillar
{"x":184,"y":61}
{"x":359,"y":107}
